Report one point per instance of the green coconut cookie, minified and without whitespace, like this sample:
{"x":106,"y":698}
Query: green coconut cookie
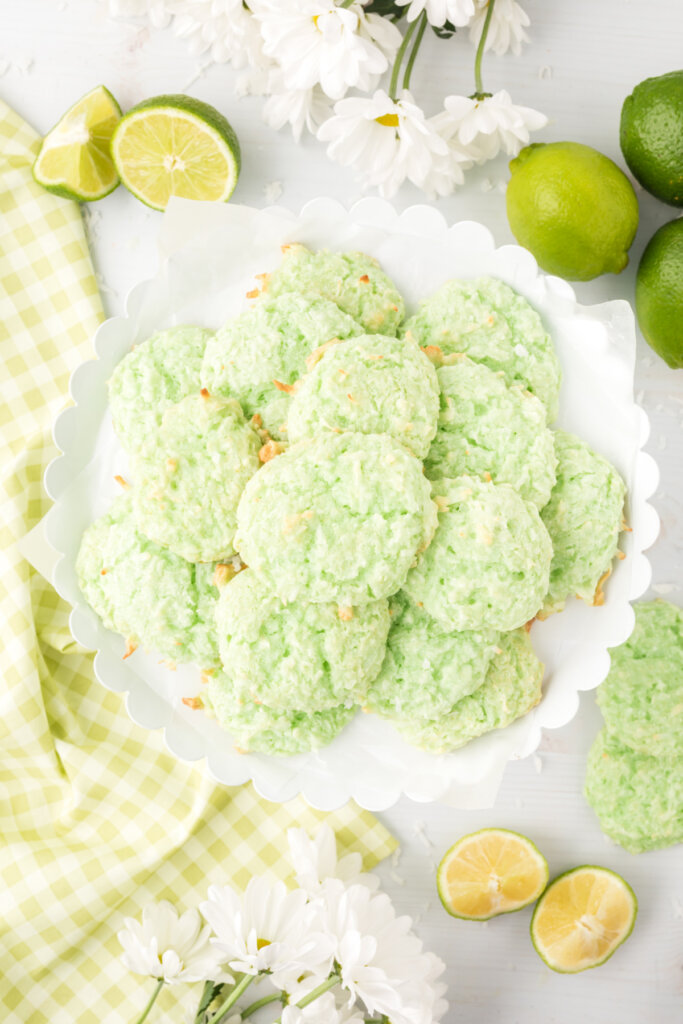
{"x":638,"y":798}
{"x":490,"y":430}
{"x":658,"y":633}
{"x":147,"y":593}
{"x":190,"y":475}
{"x":270,"y":342}
{"x":487,"y":566}
{"x":353,"y":281}
{"x":155,"y":374}
{"x":372,"y":385}
{"x":584,"y":518}
{"x":427,"y":667}
{"x":300,"y":655}
{"x":642,"y":697}
{"x":338,"y":518}
{"x":256,"y":727}
{"x":202,"y":644}
{"x":512,"y":688}
{"x":492,"y":324}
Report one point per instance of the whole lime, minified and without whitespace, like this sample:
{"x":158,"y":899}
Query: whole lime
{"x":659,"y":293}
{"x":572,"y":208}
{"x":651,"y":136}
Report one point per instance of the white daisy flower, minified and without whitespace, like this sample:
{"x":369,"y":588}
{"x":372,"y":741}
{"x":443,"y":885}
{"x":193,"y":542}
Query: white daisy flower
{"x":223,"y":29}
{"x":169,"y":947}
{"x":323,"y":1010}
{"x":316,"y":42}
{"x":506,"y":28}
{"x":155,"y":10}
{"x":387,"y":141}
{"x":380,"y":961}
{"x":300,"y":108}
{"x":267,"y":928}
{"x":482,"y":127}
{"x":458,"y":12}
{"x":315,"y":860}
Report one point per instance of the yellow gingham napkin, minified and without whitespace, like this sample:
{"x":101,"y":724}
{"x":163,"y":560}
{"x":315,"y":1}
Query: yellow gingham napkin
{"x":96,"y":818}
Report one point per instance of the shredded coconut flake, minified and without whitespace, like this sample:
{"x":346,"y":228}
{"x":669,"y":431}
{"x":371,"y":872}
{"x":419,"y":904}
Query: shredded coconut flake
{"x":198,"y":73}
{"x":665,"y":588}
{"x":23,"y":64}
{"x":103,"y":286}
{"x":273,"y":191}
{"x":420,"y":830}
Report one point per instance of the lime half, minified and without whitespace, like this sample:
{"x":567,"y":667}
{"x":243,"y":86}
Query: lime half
{"x":176,"y":146}
{"x":490,"y":872}
{"x":582,"y":918}
{"x":74,"y":159}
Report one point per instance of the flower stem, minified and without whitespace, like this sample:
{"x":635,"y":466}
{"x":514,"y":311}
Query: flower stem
{"x":326,"y":985}
{"x":152,"y":1001}
{"x":413,"y":52}
{"x":232,"y":998}
{"x":399,"y":59}
{"x":478,"y":87}
{"x":347,"y":3}
{"x":253,"y":1007}
{"x":333,"y":980}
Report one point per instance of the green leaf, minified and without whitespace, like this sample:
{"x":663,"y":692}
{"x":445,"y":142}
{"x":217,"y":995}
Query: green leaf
{"x":386,"y":9}
{"x":445,"y":31}
{"x":210,"y":992}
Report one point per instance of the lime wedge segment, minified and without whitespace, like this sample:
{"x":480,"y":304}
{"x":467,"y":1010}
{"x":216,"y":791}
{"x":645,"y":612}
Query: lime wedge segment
{"x":582,"y":918}
{"x":74,"y":158}
{"x":490,"y":872}
{"x":176,"y":146}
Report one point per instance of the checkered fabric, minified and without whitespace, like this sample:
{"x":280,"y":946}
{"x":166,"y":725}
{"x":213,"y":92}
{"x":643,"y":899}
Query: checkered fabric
{"x":96,"y":818}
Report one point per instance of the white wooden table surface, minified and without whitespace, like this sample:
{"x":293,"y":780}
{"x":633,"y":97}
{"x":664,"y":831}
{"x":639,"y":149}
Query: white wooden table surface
{"x":584,"y":58}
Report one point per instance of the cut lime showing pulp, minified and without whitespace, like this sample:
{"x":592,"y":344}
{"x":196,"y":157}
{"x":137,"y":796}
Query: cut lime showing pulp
{"x":490,"y":872}
{"x":582,"y":917}
{"x":74,"y":159}
{"x":176,"y":146}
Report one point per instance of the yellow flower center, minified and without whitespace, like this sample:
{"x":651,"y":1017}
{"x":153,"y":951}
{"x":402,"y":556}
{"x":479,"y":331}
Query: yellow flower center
{"x":389,"y":120}
{"x":261,"y":943}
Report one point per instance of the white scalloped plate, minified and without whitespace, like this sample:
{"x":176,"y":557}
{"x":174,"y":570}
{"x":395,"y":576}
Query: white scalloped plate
{"x":209,"y":256}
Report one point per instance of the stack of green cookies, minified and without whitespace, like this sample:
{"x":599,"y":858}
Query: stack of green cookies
{"x":334,"y":508}
{"x":635,"y":768}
